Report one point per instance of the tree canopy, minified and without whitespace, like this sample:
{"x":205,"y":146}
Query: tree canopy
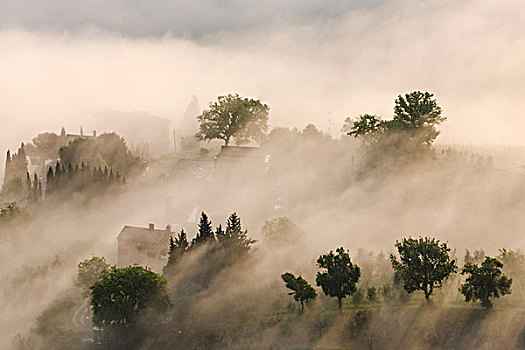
{"x":301,"y":290}
{"x":280,"y":231}
{"x":416,"y":116}
{"x":424,"y":264}
{"x":485,"y":282}
{"x":89,"y":271}
{"x":232,"y":116}
{"x":341,"y":276}
{"x":178,"y":247}
{"x":122,"y":294}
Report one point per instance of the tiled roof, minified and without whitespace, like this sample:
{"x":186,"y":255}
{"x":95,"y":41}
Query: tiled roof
{"x":143,"y":234}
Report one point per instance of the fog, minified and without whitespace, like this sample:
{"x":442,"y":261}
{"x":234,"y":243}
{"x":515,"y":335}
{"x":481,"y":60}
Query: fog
{"x":316,"y":68}
{"x":62,"y":63}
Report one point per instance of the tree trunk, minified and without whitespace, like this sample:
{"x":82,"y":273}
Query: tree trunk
{"x":340,"y":304}
{"x":226,"y":142}
{"x":302,"y":306}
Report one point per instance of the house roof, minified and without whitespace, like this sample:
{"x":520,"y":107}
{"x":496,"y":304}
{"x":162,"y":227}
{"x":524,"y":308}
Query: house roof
{"x":144,"y":234}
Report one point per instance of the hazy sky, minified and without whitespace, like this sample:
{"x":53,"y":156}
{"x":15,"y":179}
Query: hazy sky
{"x":311,"y":61}
{"x":188,"y":18}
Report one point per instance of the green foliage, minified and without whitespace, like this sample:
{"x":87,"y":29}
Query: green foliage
{"x":15,"y":172}
{"x":485,"y":282}
{"x":121,"y":294}
{"x":411,"y":131}
{"x":514,"y":265}
{"x":63,"y":182}
{"x":205,"y":233}
{"x":105,"y":150}
{"x":358,"y":297}
{"x":29,"y":274}
{"x":235,"y":238}
{"x":301,"y":290}
{"x":418,"y":111}
{"x":53,"y":316}
{"x":371,"y":294}
{"x":179,"y":246}
{"x":368,"y":127}
{"x":424,"y":264}
{"x":13,"y":212}
{"x":89,"y":271}
{"x":341,"y":276}
{"x":475,"y":257}
{"x":281,"y":231}
{"x":44,"y":147}
{"x":233,"y":116}
{"x":387,"y":292}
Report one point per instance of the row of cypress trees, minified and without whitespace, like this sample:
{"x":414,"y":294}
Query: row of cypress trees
{"x":64,"y":180}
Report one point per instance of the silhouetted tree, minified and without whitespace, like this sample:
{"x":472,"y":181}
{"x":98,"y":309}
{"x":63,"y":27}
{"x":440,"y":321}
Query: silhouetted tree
{"x":424,"y":264}
{"x":205,"y":233}
{"x":235,"y":238}
{"x":233,"y":116}
{"x":485,"y":282}
{"x":341,"y":276}
{"x":301,"y":290}
{"x":178,"y":247}
{"x":371,"y":294}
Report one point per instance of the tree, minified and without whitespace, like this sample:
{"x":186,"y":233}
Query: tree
{"x":235,"y":238}
{"x":178,"y":247}
{"x":366,"y":127}
{"x":358,"y":297}
{"x":205,"y":233}
{"x":424,"y":264}
{"x":371,"y":294}
{"x":12,"y":212}
{"x":44,"y":147}
{"x":416,"y":116}
{"x":281,"y":231}
{"x":121,"y":294}
{"x":418,"y":111}
{"x":89,"y":272}
{"x":341,"y":276}
{"x":233,"y":116}
{"x":474,"y":258}
{"x":485,"y":282}
{"x":514,"y":265}
{"x":301,"y":290}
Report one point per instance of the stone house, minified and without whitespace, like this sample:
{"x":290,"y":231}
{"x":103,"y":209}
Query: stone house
{"x":143,"y":246}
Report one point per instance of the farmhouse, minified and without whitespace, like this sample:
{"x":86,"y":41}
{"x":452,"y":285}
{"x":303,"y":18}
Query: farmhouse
{"x":143,"y":246}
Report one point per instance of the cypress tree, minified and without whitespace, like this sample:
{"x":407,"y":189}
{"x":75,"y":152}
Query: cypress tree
{"x":70,"y":171}
{"x":28,"y":186}
{"x":35,"y":187}
{"x":49,"y":180}
{"x":39,"y":192}
{"x":235,"y":237}
{"x":178,"y":247}
{"x":220,"y":235}
{"x":205,"y":233}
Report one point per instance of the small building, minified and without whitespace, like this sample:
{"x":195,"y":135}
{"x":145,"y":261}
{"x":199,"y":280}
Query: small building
{"x":232,"y":158}
{"x":143,"y":246}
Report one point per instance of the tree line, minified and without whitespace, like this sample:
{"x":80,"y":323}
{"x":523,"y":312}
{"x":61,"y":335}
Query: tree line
{"x":423,"y":265}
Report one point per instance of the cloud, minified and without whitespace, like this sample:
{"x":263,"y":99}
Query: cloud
{"x":192,"y":18}
{"x":314,"y":67}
